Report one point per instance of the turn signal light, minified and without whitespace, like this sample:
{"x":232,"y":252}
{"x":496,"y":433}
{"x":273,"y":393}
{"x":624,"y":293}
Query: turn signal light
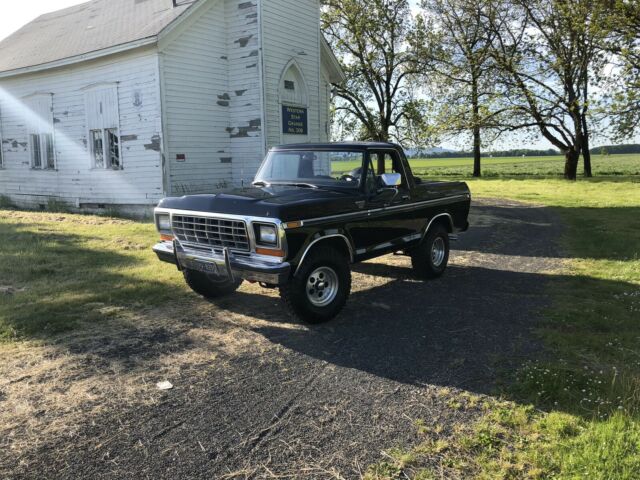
{"x":290,"y":225}
{"x":166,"y":238}
{"x":270,"y":252}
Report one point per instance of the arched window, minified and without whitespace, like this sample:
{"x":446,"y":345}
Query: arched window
{"x":293,"y":89}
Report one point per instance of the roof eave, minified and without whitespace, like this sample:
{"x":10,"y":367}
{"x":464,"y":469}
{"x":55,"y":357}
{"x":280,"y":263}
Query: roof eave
{"x":337,"y":74}
{"x":82,"y":58}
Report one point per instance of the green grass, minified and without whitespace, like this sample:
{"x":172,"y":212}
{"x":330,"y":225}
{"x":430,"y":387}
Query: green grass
{"x":512,"y":166}
{"x":575,"y":413}
{"x":60,"y":270}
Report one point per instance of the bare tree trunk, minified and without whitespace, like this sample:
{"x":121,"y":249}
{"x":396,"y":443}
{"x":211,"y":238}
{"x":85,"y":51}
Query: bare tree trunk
{"x":477,"y":172}
{"x":586,"y":153}
{"x":571,"y":164}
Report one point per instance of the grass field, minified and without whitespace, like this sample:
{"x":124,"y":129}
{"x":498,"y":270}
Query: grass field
{"x":573,"y":414}
{"x":512,"y":166}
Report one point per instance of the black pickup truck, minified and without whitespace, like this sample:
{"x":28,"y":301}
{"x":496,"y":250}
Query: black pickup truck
{"x":301,"y":224}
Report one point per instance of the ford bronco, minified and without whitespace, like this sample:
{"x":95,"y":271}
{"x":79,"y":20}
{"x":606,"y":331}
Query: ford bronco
{"x":300,"y":225}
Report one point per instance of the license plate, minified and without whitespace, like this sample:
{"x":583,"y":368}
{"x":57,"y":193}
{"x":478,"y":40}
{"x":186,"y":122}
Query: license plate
{"x":204,"y":267}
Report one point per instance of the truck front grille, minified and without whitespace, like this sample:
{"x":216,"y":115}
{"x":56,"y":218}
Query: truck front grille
{"x":211,"y":232}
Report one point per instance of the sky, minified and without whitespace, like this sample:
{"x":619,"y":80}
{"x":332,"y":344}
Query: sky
{"x":15,"y":14}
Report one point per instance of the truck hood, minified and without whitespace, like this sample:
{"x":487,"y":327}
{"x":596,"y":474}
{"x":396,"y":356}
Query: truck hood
{"x":283,"y":202}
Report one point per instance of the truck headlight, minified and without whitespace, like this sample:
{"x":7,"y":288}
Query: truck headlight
{"x":163,"y":223}
{"x":267,"y":235}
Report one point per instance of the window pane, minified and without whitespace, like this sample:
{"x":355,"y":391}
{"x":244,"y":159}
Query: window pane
{"x":315,"y":167}
{"x":48,"y":140}
{"x":97,"y":149}
{"x":114,"y":148}
{"x":36,"y":158}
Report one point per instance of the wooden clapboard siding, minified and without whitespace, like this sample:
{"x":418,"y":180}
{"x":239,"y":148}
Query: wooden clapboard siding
{"x":74,"y":180}
{"x":194,"y":77}
{"x":211,"y":92}
{"x":246,"y":107}
{"x":291,"y":27}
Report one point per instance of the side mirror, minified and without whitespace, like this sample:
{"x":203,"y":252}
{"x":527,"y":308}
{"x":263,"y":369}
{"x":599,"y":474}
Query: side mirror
{"x":391,"y":180}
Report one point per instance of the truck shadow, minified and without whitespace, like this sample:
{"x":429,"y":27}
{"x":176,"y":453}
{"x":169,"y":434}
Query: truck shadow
{"x":465,"y":330}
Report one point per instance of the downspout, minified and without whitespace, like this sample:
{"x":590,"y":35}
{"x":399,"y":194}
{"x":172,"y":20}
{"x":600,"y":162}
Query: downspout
{"x":164,"y":148}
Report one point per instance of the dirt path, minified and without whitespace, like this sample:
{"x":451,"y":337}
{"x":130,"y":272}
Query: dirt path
{"x":266,"y":397}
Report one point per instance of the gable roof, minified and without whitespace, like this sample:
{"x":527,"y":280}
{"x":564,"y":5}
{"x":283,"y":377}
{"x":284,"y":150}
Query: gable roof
{"x":90,"y":27}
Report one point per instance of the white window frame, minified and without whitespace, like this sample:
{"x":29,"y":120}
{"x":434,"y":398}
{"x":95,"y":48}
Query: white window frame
{"x":107,"y":160}
{"x":45,"y":135}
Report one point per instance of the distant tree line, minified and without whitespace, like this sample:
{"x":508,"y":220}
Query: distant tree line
{"x":527,"y":152}
{"x":521,"y":152}
{"x":482,"y":69}
{"x":616,"y":149}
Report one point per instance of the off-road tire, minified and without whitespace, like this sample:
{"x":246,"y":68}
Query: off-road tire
{"x":209,"y":286}
{"x":422,"y":257}
{"x":295,"y":292}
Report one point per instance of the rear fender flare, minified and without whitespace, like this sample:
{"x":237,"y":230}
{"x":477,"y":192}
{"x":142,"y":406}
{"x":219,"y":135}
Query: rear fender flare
{"x":434,"y":220}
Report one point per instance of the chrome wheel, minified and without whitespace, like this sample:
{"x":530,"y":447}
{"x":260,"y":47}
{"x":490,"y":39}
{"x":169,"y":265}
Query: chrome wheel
{"x":322,"y":286}
{"x":437,"y":252}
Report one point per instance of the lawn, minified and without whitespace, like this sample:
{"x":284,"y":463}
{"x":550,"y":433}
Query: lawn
{"x":56,"y":267}
{"x":574,"y":414}
{"x":571,"y":414}
{"x":512,"y":166}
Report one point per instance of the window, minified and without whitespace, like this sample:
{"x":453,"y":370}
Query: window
{"x":36,"y":157}
{"x":105,"y":138}
{"x":383,"y":162}
{"x":292,"y":87}
{"x":312,"y":167}
{"x":113,"y":147}
{"x":97,"y":148}
{"x":39,"y":120}
{"x":103,"y":119}
{"x":42,"y":153}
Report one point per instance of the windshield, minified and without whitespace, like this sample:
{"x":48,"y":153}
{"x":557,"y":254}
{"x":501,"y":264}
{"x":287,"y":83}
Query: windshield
{"x":312,"y":168}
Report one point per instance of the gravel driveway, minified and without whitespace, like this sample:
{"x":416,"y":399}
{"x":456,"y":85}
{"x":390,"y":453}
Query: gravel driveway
{"x":290,"y":401}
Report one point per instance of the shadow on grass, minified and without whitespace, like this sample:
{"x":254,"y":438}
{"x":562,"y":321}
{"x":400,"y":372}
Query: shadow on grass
{"x":54,"y":282}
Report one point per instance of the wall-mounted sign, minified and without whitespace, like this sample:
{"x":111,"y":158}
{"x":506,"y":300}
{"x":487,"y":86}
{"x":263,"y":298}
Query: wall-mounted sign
{"x":294,"y":120}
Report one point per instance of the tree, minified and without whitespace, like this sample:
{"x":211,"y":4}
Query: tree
{"x":457,"y":56}
{"x":545,"y":50}
{"x":375,"y":43}
{"x":624,"y":44}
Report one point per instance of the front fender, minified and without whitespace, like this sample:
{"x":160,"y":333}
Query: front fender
{"x":300,"y":241}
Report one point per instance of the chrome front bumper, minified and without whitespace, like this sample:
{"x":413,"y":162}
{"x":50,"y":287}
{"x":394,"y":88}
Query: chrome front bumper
{"x":225,"y":265}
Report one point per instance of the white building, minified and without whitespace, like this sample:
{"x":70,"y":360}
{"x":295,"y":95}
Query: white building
{"x":122,"y":102}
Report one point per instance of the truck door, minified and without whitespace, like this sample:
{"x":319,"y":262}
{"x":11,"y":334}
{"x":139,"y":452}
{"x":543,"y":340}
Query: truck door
{"x":388,"y":224}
